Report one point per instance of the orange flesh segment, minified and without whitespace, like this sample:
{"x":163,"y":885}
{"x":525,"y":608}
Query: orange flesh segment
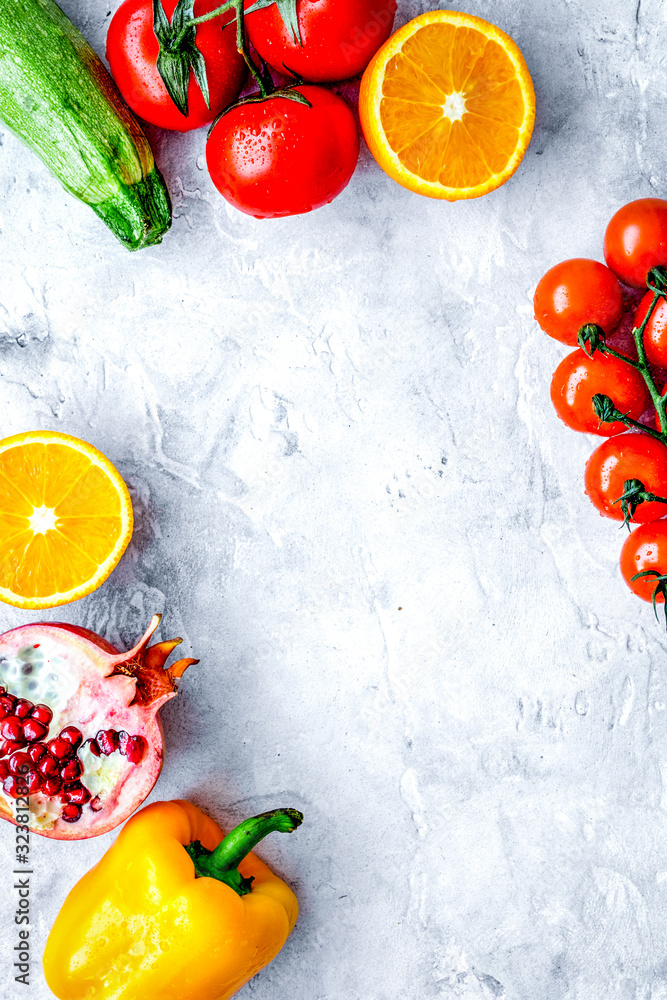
{"x":83,"y":520}
{"x":437,"y":61}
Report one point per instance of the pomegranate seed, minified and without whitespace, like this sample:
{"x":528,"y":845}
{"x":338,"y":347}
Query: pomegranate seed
{"x":107,"y":740}
{"x":71,"y":734}
{"x":6,"y":708}
{"x":8,"y":701}
{"x":71,"y":813}
{"x":42,"y":713}
{"x":123,"y":737}
{"x":96,"y":804}
{"x":48,"y":766}
{"x":11,"y":728}
{"x":93,"y":746}
{"x":59,"y":748}
{"x":23,"y":708}
{"x":34,"y":781}
{"x":33,"y":729}
{"x":36,"y":752}
{"x":76,"y":793}
{"x":71,"y":770}
{"x":14,"y":786}
{"x":4,"y":770}
{"x":19,"y":763}
{"x":136,"y":746}
{"x":51,"y":786}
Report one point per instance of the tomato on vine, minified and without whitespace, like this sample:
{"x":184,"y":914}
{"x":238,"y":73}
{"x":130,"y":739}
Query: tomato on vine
{"x":576,"y":292}
{"x":618,"y":468}
{"x":182,"y":79}
{"x":319,"y":40}
{"x":580,"y":377}
{"x":284,"y":153}
{"x":599,"y":389}
{"x":644,"y":561}
{"x":636,"y":240}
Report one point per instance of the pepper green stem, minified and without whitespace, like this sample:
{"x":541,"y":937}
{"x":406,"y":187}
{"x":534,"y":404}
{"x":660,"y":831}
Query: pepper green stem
{"x":222,"y":863}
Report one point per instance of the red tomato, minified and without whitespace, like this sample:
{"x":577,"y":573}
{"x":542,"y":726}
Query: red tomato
{"x":279,"y":157}
{"x":575,"y":292}
{"x":132,"y":51}
{"x":339,"y":37}
{"x":627,"y":456}
{"x":636,"y":240}
{"x":645,"y":548}
{"x":655,"y":332}
{"x":578,"y":378}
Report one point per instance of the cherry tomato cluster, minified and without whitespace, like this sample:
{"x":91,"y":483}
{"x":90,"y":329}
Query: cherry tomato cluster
{"x":283,"y":150}
{"x":615,"y":383}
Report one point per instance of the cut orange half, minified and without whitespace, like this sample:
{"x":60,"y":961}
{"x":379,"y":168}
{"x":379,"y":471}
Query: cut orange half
{"x":65,"y":519}
{"x":447,"y":106}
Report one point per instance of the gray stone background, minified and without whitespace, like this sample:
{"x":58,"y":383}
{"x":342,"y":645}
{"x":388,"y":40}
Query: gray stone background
{"x":356,"y":505}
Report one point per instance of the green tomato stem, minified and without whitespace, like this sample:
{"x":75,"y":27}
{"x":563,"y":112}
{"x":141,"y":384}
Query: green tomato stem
{"x":659,"y":401}
{"x":241,"y":44}
{"x":200,"y":20}
{"x":622,"y":357}
{"x":624,"y":418}
{"x":634,"y":494}
{"x":656,"y":277}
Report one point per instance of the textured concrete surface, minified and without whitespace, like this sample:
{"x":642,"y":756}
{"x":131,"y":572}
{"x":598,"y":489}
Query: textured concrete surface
{"x":355,"y":504}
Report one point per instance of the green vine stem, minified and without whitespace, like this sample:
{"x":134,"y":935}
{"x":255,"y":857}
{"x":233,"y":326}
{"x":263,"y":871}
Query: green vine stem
{"x":178,"y":54}
{"x":607,"y":413}
{"x":592,"y":338}
{"x":660,"y":589}
{"x":634,"y":494}
{"x":260,"y":78}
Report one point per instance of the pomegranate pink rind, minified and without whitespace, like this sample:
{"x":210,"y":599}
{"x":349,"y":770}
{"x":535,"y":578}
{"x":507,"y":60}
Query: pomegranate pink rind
{"x":103,"y":750}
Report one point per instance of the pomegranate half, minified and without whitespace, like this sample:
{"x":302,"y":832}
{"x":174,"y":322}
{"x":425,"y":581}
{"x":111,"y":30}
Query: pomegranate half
{"x":79,"y":732}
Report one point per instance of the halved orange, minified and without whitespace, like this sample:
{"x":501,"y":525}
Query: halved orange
{"x":65,"y":519}
{"x":447,"y":106}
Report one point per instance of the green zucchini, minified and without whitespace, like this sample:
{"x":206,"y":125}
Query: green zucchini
{"x":56,"y":95}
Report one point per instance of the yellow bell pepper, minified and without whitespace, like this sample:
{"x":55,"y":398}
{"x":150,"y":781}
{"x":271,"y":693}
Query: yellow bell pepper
{"x":173,"y":911}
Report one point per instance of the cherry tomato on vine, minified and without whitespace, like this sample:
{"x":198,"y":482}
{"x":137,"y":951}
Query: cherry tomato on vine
{"x":621,"y":458}
{"x":338,"y":38}
{"x":278,"y":157}
{"x":579,"y":377}
{"x":132,"y":51}
{"x":655,"y":331}
{"x":636,"y":240}
{"x":645,"y":548}
{"x":576,"y":292}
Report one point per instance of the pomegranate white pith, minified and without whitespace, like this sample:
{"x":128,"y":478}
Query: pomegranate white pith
{"x":102,"y":750}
